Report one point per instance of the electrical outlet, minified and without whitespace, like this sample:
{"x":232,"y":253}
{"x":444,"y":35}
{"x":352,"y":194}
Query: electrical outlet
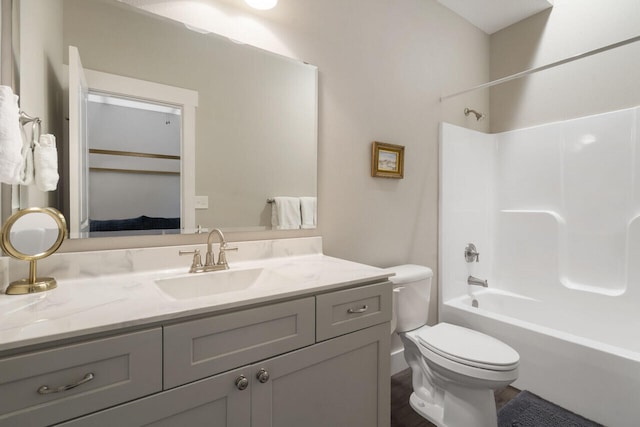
{"x":202,"y":202}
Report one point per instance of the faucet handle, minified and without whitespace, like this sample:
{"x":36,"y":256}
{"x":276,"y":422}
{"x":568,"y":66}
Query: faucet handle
{"x":222,"y":256}
{"x":471,"y":253}
{"x":197,"y":259}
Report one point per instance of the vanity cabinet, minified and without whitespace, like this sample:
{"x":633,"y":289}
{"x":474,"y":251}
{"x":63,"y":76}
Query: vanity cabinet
{"x":315,"y":361}
{"x":340,"y":382}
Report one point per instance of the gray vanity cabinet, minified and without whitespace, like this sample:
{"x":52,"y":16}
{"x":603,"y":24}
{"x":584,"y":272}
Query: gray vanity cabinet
{"x":316,"y":361}
{"x":339,"y":382}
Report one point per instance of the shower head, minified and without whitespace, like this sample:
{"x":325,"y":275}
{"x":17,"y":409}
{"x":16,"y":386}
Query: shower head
{"x":479,"y":116}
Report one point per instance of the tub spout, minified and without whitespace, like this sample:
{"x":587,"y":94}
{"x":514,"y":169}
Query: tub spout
{"x":477,"y":282}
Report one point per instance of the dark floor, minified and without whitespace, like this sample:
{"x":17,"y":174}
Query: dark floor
{"x":403,"y":416}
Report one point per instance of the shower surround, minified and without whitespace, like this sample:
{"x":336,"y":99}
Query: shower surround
{"x":554,"y":212}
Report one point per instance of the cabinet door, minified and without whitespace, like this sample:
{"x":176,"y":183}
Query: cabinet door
{"x":344,"y":381}
{"x":215,"y":401}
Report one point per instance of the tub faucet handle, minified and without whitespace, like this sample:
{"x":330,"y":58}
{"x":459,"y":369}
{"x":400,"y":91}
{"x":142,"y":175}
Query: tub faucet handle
{"x":471,"y":253}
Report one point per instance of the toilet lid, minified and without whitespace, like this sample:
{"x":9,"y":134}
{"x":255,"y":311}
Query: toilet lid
{"x":468,"y":347}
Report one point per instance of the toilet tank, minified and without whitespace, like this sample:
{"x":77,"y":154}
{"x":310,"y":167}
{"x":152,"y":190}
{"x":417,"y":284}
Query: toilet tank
{"x":411,"y":294}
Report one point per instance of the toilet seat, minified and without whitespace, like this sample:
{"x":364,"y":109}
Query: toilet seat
{"x":468,"y":347}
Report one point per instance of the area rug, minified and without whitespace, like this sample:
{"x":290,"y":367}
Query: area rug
{"x":529,"y":410}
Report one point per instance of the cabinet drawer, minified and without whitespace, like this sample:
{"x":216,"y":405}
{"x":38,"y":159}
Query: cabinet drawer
{"x":99,"y":373}
{"x":341,"y":312}
{"x":199,"y":348}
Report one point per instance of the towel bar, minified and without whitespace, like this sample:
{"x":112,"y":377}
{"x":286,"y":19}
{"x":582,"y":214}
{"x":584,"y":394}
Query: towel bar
{"x":36,"y":122}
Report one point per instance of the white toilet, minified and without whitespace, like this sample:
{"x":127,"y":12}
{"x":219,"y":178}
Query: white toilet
{"x":454,"y":369}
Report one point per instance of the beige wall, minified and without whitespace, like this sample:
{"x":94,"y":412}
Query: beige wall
{"x":382,"y":69}
{"x":383,"y":66}
{"x":40,"y":91}
{"x":604,"y":82}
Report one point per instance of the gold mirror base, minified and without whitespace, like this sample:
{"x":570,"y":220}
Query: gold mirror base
{"x":22,"y":287}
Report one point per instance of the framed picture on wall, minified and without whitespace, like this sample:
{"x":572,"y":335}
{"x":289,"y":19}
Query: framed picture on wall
{"x":387,"y":160}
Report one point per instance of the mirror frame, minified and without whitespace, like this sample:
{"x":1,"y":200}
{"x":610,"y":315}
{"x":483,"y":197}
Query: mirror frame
{"x":10,"y":249}
{"x":9,"y":76}
{"x":7,"y":67}
{"x":192,"y":216}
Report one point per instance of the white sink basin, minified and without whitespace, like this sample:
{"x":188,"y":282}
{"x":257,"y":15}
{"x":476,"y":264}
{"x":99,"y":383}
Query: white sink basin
{"x":197,"y":285}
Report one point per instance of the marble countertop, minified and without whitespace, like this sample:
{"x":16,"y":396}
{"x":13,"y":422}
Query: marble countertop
{"x":108,"y":302}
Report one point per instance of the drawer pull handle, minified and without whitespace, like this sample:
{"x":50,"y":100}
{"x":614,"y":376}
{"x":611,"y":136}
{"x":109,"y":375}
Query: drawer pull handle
{"x":45,"y":389}
{"x":358,"y":310}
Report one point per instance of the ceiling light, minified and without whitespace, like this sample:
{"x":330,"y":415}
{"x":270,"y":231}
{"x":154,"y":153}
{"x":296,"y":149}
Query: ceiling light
{"x":262,"y":4}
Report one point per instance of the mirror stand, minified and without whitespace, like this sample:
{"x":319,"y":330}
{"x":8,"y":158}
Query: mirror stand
{"x":32,"y":284}
{"x":18,"y":234}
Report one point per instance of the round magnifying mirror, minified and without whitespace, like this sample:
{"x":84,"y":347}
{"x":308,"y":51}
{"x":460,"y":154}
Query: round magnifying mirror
{"x":29,"y":235}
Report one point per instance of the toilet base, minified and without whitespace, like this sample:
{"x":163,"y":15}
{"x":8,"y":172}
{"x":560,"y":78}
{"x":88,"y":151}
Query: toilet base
{"x":460,"y":408}
{"x":432,"y":413}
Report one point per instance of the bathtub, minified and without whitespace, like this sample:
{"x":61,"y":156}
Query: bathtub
{"x":577,"y":350}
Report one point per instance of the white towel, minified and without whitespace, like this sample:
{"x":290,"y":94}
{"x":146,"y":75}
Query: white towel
{"x":285,"y":213}
{"x":10,"y":137}
{"x":45,"y":158}
{"x":308,"y":209}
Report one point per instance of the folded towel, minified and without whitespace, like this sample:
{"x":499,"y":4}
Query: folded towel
{"x":308,"y":210}
{"x":285,"y":213}
{"x":10,"y":137}
{"x":45,"y":158}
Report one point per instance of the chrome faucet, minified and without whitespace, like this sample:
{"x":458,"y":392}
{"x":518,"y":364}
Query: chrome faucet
{"x":477,"y":282}
{"x":209,"y":263}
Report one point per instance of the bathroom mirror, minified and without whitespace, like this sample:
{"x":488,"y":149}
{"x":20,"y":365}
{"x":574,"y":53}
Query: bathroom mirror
{"x":30,"y":235}
{"x":254,"y":126}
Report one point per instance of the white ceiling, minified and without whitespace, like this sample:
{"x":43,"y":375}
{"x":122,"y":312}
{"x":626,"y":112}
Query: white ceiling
{"x":488,"y":15}
{"x":493,"y":15}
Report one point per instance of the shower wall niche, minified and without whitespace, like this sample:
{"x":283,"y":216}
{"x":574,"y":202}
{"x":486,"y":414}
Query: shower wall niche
{"x":553,"y":206}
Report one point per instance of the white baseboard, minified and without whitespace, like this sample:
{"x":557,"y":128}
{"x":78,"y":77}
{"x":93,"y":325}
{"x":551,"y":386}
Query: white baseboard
{"x":398,"y":363}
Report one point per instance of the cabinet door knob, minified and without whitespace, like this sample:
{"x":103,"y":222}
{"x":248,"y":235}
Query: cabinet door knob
{"x":262,"y":375}
{"x":242,"y":382}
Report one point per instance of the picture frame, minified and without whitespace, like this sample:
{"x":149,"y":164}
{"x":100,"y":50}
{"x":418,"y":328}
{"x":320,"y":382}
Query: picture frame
{"x":387,"y":160}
